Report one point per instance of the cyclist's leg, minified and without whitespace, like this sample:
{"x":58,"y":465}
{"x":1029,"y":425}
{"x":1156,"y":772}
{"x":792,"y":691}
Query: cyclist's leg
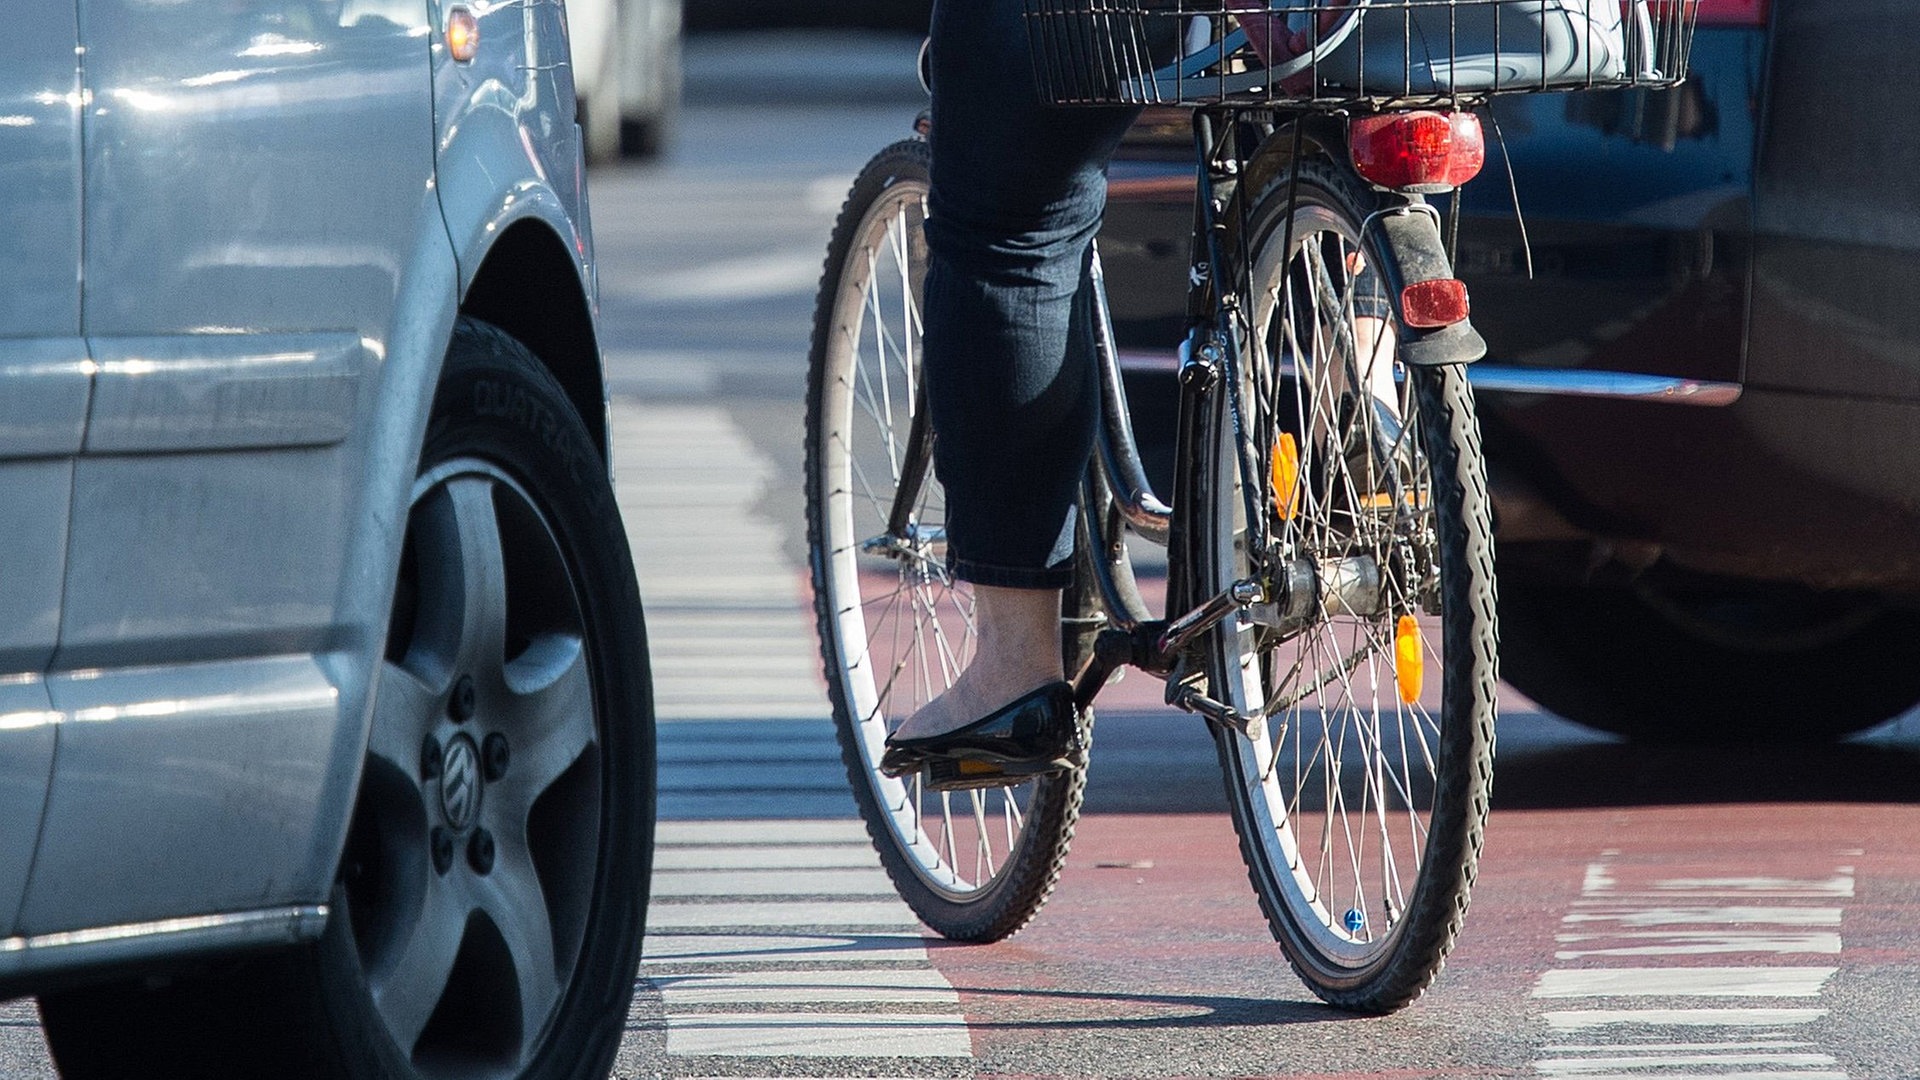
{"x":1017,"y":192}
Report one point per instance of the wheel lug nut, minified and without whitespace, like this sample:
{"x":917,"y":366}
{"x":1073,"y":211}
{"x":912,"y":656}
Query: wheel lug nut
{"x":442,"y":842}
{"x":430,"y":759}
{"x":480,"y":851}
{"x":494,"y":756}
{"x":460,"y":706}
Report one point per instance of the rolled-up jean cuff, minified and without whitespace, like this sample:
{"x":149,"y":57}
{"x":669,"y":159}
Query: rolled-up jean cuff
{"x":1010,"y":577}
{"x":1372,"y":306}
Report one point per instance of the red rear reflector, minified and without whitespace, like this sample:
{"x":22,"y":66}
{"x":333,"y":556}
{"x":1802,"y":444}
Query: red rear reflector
{"x":1428,"y":305}
{"x":1418,"y":151}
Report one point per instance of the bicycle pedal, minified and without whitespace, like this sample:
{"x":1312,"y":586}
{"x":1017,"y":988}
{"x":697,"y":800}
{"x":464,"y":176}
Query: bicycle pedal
{"x":967,"y":774}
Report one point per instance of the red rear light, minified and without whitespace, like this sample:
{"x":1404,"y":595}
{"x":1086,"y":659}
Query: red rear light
{"x":1428,"y":305}
{"x":1733,"y":12}
{"x":1418,"y":151}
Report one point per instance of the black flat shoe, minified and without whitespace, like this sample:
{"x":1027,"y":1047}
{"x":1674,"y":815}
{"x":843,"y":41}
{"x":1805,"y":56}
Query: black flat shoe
{"x":1035,"y":734}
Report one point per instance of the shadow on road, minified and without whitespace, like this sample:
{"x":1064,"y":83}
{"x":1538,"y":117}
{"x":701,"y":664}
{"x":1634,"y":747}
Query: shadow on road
{"x":1209,"y":1011}
{"x":1163,"y":763}
{"x":1591,"y":771}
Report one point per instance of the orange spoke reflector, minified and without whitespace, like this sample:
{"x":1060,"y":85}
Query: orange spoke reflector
{"x":1286,"y":476}
{"x":1409,"y":660}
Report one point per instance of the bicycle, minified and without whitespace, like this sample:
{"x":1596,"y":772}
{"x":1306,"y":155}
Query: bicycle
{"x":1329,"y":536}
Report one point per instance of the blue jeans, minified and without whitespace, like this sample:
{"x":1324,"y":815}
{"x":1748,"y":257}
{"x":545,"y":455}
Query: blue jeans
{"x":1018,"y":190}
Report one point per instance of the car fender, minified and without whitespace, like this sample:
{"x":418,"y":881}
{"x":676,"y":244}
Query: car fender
{"x":509,"y":156}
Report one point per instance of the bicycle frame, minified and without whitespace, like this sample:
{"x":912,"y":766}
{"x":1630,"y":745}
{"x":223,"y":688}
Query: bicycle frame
{"x":1116,"y":494}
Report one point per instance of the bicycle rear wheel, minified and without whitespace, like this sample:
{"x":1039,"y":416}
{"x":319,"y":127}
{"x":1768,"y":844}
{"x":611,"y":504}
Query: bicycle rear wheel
{"x":895,"y":627}
{"x":1361,"y":805}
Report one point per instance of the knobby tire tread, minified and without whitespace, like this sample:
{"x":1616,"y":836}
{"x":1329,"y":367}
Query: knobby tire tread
{"x":1030,"y":874}
{"x":1451,"y":434}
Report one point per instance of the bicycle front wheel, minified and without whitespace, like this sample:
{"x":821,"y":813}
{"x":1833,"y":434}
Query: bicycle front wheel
{"x":1350,"y":485}
{"x":895,"y":627}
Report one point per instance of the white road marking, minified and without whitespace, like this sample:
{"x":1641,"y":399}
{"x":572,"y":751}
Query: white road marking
{"x":1660,"y":916}
{"x":1590,"y":1019}
{"x":772,"y":883}
{"x":747,"y":735}
{"x":888,"y":914}
{"x":710,"y":627}
{"x":1684,"y":982}
{"x":774,"y":948}
{"x":734,"y":776}
{"x":686,"y":857}
{"x":761,"y":832}
{"x":1740,"y":1074}
{"x":881,"y":1035}
{"x":1598,"y":880}
{"x":1624,"y":912}
{"x":1602,"y":1065}
{"x":1700,"y":942}
{"x":1614,"y":1048}
{"x":887,"y":986}
{"x":754,"y":277}
{"x":1839,"y":885}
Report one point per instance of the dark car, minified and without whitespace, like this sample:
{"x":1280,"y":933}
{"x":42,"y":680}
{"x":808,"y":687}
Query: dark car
{"x":1702,"y":409}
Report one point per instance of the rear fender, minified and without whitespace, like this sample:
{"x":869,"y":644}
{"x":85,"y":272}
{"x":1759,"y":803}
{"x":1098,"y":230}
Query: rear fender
{"x":1409,"y":231}
{"x":1411,"y":235}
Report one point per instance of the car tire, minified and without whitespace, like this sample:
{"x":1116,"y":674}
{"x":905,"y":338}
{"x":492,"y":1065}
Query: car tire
{"x":502,"y":438}
{"x":1709,"y":667}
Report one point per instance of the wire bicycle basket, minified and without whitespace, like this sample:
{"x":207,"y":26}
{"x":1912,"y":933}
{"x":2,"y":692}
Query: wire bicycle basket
{"x":1350,"y":54}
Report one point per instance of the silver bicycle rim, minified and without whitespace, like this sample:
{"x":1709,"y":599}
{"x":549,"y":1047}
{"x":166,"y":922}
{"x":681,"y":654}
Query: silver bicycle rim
{"x":1339,"y":788}
{"x":903,"y":627}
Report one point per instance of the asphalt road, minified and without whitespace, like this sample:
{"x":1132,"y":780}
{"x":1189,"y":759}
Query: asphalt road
{"x":1640,"y":913}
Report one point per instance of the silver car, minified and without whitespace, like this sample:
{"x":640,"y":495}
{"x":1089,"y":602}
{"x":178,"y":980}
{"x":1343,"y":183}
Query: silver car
{"x":325,"y":723}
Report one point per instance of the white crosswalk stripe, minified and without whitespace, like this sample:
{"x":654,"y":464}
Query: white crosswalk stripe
{"x":726,"y":614}
{"x":1630,"y":918}
{"x":773,"y":930}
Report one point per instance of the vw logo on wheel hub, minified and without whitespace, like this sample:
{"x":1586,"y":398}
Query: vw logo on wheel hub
{"x":460,"y":783}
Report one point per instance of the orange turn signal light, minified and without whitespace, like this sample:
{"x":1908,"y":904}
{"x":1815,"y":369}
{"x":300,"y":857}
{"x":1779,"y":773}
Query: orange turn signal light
{"x":463,"y":33}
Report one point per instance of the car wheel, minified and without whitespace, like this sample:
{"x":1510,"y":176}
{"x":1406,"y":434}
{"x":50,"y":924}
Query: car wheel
{"x":1709,"y":665}
{"x":487,"y":916}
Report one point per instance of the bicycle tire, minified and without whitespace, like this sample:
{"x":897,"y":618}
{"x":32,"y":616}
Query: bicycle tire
{"x":870,"y":291}
{"x":1415,"y":774}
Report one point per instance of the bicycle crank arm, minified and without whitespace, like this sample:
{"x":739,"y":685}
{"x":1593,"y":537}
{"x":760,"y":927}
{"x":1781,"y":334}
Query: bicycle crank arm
{"x":927,"y":542}
{"x":1182,"y":631}
{"x":1217,"y":712}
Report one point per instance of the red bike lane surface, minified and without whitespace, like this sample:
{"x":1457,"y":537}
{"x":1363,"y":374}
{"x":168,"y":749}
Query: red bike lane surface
{"x":1152,"y":958}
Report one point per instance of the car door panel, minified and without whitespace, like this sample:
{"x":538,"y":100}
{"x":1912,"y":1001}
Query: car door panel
{"x":244,"y":744}
{"x":1837,"y":261}
{"x":43,"y":406}
{"x":224,"y":392}
{"x":257,"y":185}
{"x":259,"y":190}
{"x":1634,"y":252}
